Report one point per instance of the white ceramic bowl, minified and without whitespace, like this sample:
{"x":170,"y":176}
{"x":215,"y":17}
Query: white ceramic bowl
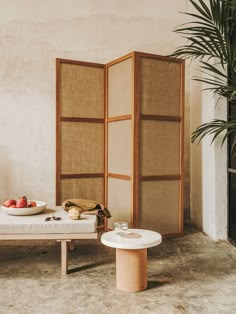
{"x":27,"y":211}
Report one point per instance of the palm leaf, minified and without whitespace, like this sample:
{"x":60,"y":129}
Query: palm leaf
{"x":213,"y":69}
{"x":216,"y":128}
{"x":212,"y":35}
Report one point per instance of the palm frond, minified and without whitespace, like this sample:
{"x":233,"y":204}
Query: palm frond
{"x":216,"y":128}
{"x":212,"y":35}
{"x":208,"y":25}
{"x":213,"y":70}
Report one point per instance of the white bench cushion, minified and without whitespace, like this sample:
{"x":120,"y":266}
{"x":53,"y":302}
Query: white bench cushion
{"x":36,"y":224}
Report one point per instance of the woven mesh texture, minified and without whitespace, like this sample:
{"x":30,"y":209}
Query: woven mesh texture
{"x":159,"y":206}
{"x":82,"y":147}
{"x":86,"y":188}
{"x":159,"y":148}
{"x":160,"y":83}
{"x":82,"y":91}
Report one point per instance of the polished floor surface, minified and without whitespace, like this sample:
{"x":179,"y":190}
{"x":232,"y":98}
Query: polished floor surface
{"x":191,"y":274}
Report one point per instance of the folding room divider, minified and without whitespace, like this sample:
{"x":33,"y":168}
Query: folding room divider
{"x":120,"y":138}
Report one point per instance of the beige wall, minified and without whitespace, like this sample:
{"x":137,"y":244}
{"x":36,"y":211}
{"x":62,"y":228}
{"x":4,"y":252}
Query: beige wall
{"x":195,"y":151}
{"x":32,"y":34}
{"x":208,"y":165}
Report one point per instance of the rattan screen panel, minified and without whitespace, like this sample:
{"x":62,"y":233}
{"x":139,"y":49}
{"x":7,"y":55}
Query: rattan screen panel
{"x":119,"y":200}
{"x":159,"y":206}
{"x":119,"y":147}
{"x":81,"y":91}
{"x":120,"y":88}
{"x":160,"y":87}
{"x":87,"y":188}
{"x":159,"y":148}
{"x":82,"y":147}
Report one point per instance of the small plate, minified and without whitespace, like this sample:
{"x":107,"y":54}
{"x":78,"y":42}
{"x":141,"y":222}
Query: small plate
{"x":26,"y":211}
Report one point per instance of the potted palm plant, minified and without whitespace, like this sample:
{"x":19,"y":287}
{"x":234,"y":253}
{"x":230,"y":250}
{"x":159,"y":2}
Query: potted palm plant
{"x":211,"y":39}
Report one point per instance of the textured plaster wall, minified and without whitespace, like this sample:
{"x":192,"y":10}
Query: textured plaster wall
{"x":32,"y":34}
{"x":214,"y":168}
{"x":208,"y":166}
{"x":195,"y":152}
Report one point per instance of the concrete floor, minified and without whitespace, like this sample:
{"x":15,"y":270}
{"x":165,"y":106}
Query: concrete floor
{"x":190,"y":274}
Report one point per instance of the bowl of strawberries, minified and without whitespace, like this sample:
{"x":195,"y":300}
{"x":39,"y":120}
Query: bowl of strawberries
{"x":23,"y":207}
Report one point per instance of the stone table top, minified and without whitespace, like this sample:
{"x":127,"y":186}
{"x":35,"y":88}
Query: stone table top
{"x":117,"y":240}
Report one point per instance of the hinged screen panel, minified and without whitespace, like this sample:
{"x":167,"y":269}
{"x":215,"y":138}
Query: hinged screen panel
{"x":119,"y":139}
{"x":80,"y":130}
{"x":161,"y":99}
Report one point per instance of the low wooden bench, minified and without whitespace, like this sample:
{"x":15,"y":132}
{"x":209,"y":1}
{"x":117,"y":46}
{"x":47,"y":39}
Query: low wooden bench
{"x":36,"y":228}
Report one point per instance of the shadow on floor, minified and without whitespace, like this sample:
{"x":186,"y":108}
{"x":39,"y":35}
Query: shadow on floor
{"x":84,"y":267}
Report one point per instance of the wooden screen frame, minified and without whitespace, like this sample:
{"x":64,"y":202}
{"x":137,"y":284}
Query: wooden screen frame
{"x":138,"y":178}
{"x":135,"y":178}
{"x":60,"y":119}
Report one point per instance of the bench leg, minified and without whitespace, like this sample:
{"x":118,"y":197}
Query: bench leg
{"x":64,"y":256}
{"x":71,"y":245}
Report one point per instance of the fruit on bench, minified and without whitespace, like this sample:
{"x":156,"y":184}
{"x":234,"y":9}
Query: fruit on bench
{"x":9,"y":203}
{"x":32,"y":204}
{"x":21,"y":202}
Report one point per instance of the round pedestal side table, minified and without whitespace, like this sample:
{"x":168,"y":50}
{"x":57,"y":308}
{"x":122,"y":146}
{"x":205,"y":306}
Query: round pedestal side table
{"x":131,"y":256}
